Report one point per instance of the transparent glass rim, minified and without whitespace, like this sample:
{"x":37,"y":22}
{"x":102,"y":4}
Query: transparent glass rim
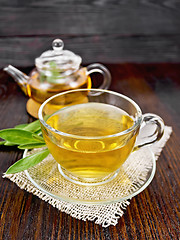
{"x":136,"y":124}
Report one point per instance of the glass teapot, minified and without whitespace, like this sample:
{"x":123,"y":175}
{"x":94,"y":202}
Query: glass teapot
{"x":56,"y":71}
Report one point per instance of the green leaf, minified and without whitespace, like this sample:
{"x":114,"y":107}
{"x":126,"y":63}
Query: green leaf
{"x":31,"y":145}
{"x":53,"y":65}
{"x":21,"y":126}
{"x":18,"y":136}
{"x":9,"y":143}
{"x":33,"y":127}
{"x":2,"y":142}
{"x":27,"y":162}
{"x":39,"y":138}
{"x":38,"y":132}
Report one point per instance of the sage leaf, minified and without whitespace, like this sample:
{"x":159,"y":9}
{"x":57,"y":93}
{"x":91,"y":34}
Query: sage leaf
{"x":27,"y":162}
{"x":39,"y":138}
{"x":2,"y":142}
{"x":32,"y":127}
{"x":21,"y":126}
{"x":31,"y":145}
{"x":38,"y":131}
{"x":18,"y":136}
{"x":7,"y":143}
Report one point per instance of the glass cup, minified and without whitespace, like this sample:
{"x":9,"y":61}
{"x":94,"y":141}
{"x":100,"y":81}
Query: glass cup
{"x":91,"y":133}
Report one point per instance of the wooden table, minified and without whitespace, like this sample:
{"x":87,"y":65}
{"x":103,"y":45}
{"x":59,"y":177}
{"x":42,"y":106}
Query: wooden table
{"x":153,"y":214}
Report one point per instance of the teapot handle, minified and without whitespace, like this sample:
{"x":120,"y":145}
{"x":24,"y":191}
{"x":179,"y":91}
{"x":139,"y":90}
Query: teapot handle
{"x":99,"y":68}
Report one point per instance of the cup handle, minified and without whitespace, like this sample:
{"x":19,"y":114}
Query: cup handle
{"x":146,"y":136}
{"x":99,"y":68}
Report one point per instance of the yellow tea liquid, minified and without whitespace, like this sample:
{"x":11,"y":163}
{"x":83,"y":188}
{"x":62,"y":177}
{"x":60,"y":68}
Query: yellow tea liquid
{"x":89,"y":153}
{"x":40,"y":91}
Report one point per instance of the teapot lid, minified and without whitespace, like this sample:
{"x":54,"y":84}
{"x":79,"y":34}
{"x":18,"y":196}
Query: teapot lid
{"x":64,"y":61}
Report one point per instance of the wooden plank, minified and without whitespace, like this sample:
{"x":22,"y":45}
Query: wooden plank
{"x":89,"y":17}
{"x":21,"y":51}
{"x":152,"y":214}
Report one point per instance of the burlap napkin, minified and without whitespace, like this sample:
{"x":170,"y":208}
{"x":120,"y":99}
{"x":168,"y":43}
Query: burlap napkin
{"x":137,"y":167}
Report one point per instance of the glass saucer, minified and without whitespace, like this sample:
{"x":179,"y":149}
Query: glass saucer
{"x":134,"y":176}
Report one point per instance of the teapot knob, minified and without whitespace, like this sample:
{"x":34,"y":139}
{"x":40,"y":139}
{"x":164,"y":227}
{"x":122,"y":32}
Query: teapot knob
{"x":57,"y":45}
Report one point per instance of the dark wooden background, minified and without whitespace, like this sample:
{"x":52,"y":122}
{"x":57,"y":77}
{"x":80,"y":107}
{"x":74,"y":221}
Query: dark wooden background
{"x":108,"y":31}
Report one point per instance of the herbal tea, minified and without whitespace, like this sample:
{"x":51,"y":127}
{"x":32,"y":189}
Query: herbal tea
{"x":91,"y":152}
{"x":40,"y":90}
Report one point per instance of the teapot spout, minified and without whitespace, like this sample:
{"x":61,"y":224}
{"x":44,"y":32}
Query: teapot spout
{"x":19,"y":77}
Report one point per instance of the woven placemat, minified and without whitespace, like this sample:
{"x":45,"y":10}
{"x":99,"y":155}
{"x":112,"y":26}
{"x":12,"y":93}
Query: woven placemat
{"x":103,"y":214}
